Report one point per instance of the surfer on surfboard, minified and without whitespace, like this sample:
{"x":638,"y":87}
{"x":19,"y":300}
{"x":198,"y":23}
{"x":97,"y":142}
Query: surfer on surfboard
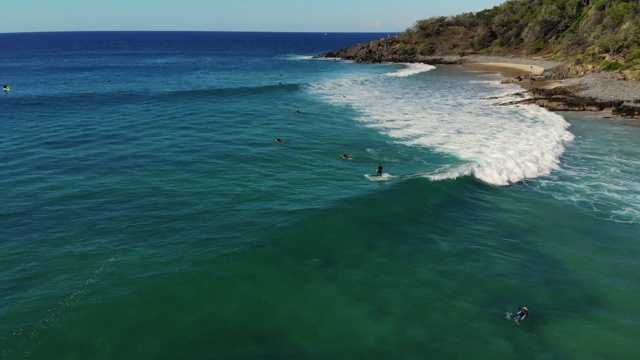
{"x":278,"y":140}
{"x":379,"y":170}
{"x":346,"y":157}
{"x":6,"y":88}
{"x":522,"y":313}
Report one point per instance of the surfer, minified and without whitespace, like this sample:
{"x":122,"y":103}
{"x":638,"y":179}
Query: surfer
{"x":522,"y":313}
{"x":297,"y":112}
{"x":278,"y":140}
{"x":6,"y":88}
{"x":379,"y":170}
{"x":346,"y":157}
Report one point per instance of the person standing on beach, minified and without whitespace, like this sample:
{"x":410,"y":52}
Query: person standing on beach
{"x":379,"y":170}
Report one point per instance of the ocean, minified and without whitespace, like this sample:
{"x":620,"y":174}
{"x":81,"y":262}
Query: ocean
{"x":147,"y":212}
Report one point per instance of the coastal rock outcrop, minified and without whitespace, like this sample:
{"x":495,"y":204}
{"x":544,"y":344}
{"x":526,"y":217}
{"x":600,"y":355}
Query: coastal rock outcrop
{"x":389,"y":49}
{"x":565,"y":99}
{"x":570,"y":71}
{"x":627,"y":111}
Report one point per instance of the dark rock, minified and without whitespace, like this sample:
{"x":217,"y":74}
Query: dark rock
{"x":626,"y":111}
{"x":565,"y":99}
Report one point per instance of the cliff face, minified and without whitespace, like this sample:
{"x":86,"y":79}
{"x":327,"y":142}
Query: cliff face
{"x":593,"y":35}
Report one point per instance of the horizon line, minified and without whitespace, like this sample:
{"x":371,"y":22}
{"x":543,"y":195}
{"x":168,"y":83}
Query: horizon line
{"x":203,"y":31}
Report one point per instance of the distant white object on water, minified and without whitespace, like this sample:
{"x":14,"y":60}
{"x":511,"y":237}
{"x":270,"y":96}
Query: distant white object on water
{"x":384,"y":177}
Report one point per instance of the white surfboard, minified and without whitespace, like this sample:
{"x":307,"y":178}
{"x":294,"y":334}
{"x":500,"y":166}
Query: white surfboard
{"x":384,"y":177}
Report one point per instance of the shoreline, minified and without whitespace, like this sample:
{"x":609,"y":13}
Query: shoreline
{"x":595,"y":92}
{"x":551,"y":84}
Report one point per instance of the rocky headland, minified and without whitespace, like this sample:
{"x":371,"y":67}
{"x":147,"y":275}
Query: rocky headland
{"x":580,"y":55}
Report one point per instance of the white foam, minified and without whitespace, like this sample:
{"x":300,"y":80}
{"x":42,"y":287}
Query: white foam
{"x":383,"y":177}
{"x":297,"y":57}
{"x":451,"y":172}
{"x":500,"y":144}
{"x":301,"y":57}
{"x":411,"y":69}
{"x":599,"y":182}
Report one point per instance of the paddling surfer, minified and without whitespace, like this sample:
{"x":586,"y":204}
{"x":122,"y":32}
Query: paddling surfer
{"x":522,"y":313}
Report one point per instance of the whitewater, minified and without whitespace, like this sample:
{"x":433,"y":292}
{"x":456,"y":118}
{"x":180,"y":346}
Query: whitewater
{"x":499,"y":145}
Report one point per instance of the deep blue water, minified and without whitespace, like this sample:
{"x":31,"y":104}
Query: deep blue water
{"x":147,"y":212}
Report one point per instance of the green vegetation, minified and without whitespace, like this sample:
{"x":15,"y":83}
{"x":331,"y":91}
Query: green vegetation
{"x":599,"y":32}
{"x":611,"y":65}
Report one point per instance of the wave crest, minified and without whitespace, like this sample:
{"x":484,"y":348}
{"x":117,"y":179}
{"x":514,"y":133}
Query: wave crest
{"x":411,"y":69}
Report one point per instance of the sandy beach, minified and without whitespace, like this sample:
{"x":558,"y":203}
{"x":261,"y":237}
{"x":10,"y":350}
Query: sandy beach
{"x":510,"y":69}
{"x":514,"y":70}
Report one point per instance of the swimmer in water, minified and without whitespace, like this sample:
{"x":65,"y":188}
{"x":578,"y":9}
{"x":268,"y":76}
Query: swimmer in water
{"x":522,"y":313}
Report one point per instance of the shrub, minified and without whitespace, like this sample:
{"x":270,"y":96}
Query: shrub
{"x":611,"y":65}
{"x":539,"y":44}
{"x":635,"y":55}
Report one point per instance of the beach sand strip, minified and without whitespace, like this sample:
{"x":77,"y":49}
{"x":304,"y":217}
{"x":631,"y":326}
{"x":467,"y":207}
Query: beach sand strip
{"x":512,"y":70}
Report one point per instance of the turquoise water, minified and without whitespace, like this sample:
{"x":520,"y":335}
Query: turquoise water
{"x":147,"y":211}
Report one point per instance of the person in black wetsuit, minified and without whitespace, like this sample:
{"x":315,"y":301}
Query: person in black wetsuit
{"x":379,"y":170}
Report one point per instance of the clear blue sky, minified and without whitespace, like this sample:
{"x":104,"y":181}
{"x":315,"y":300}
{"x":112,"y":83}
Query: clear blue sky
{"x":227,"y":15}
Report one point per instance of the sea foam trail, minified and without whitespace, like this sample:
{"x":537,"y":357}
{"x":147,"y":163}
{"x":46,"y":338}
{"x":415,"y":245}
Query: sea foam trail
{"x":601,"y":181}
{"x":411,"y":69}
{"x":451,"y":114}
